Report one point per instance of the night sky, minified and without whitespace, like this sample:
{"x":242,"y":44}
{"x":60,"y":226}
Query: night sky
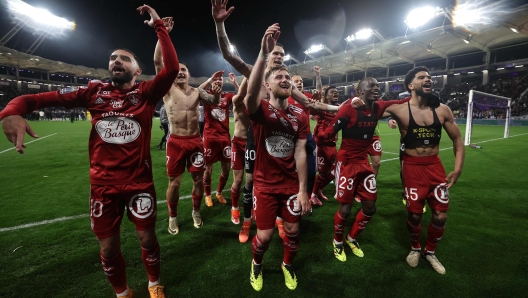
{"x":105,"y":25}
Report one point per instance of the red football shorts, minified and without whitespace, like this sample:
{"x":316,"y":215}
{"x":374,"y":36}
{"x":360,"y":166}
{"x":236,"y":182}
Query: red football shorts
{"x":355,"y":178}
{"x":268,"y":203}
{"x":108,"y":203}
{"x":184,"y":150}
{"x":326,"y":156}
{"x":217,"y":149}
{"x":375,"y":147}
{"x":424,"y":178}
{"x":238,"y":151}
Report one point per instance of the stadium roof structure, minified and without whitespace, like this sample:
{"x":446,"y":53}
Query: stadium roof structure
{"x":440,"y":42}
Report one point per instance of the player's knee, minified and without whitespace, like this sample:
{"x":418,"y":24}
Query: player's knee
{"x":291,"y":228}
{"x":414,"y":218}
{"x":439,"y":218}
{"x":249,"y":181}
{"x":174,"y":185}
{"x":369,"y":210}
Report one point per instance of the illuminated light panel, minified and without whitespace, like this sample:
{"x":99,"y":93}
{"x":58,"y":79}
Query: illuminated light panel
{"x":420,"y":16}
{"x":500,"y":68}
{"x":314,"y":49}
{"x":37,"y":17}
{"x":363,"y":34}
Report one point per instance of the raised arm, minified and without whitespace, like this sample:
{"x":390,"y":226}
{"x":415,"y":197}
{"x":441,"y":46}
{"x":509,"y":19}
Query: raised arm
{"x":232,"y":79}
{"x":318,"y":82}
{"x":299,"y":97}
{"x":453,"y":132}
{"x":215,"y":76}
{"x":220,"y":14}
{"x":163,"y":81}
{"x":339,"y":122}
{"x":213,"y":98}
{"x":252,"y":100}
{"x":158,"y":59}
{"x":238,"y":99}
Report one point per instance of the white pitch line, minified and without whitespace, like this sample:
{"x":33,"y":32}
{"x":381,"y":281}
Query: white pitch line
{"x":44,"y":222}
{"x":49,"y":221}
{"x":391,"y":153}
{"x":41,"y":138}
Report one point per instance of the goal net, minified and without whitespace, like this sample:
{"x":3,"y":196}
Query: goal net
{"x":490,"y":107}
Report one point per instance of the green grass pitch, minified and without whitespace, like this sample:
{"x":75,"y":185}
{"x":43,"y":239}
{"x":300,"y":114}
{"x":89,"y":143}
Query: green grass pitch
{"x":483,"y":248}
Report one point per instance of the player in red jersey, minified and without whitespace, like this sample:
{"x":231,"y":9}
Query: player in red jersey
{"x":184,"y":145}
{"x":119,"y":151}
{"x":354,"y":176}
{"x":326,"y":149}
{"x":280,"y":166}
{"x":420,"y":121}
{"x":217,"y":141}
{"x":276,"y":58}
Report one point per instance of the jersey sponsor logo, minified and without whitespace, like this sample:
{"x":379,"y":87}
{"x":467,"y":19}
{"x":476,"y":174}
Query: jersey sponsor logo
{"x":273,"y":115}
{"x":296,"y":109}
{"x":370,"y":183}
{"x":426,"y":142}
{"x":227,"y":152}
{"x":197,"y":159}
{"x":441,"y":193}
{"x":116,"y":103}
{"x":69,"y":89}
{"x":279,"y":146}
{"x":293,"y":206}
{"x":103,"y":93}
{"x":118,"y":130}
{"x":376,"y":146}
{"x":99,"y":101}
{"x":141,"y":205}
{"x":402,"y":147}
{"x":218,"y":114}
{"x":133,"y":98}
{"x":295,"y":125}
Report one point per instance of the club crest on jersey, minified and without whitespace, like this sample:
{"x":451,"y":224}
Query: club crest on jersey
{"x":197,"y":159}
{"x":279,"y":146}
{"x":118,"y":130}
{"x":370,"y":183}
{"x":295,"y":125}
{"x":218,"y":114}
{"x":341,"y":193}
{"x":293,"y":206}
{"x":227,"y":152}
{"x":142,"y":205}
{"x":441,"y":193}
{"x":376,"y":146}
{"x":133,"y":98}
{"x":116,"y":103}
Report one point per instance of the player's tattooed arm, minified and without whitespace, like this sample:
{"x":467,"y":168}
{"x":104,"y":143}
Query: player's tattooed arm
{"x":235,"y":61}
{"x":207,"y":98}
{"x":299,"y":97}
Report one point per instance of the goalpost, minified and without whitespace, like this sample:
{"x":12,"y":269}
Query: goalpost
{"x":484,"y":102}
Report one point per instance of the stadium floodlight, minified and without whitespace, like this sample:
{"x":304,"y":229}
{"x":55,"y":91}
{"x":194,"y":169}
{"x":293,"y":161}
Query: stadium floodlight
{"x":420,"y":16}
{"x":290,"y":57}
{"x":314,"y":49}
{"x":36,"y":17}
{"x":363,"y":34}
{"x":350,"y":38}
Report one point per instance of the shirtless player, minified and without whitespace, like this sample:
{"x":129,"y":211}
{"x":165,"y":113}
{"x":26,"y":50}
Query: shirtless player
{"x":184,"y":145}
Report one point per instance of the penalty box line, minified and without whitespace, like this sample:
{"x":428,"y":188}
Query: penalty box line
{"x":45,"y":222}
{"x":41,"y":138}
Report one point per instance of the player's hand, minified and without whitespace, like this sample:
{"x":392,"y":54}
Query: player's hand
{"x":316,"y":95}
{"x":217,"y":75}
{"x":220,"y":13}
{"x":215,"y":89}
{"x":232,"y":78}
{"x":270,"y":39}
{"x":153,"y":14}
{"x":168,"y":22}
{"x":357,"y":103}
{"x":392,"y":123}
{"x":452,"y":178}
{"x":302,"y":198}
{"x":15,"y":128}
{"x":317,"y":70}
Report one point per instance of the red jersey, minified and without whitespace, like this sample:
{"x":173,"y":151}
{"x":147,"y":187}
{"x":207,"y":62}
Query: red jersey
{"x":119,"y":143}
{"x":276,"y":133}
{"x":217,"y":117}
{"x":323,"y":121}
{"x":358,"y":129}
{"x":306,"y":110}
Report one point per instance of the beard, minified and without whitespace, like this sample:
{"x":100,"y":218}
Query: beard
{"x":122,"y":78}
{"x":433,"y":100}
